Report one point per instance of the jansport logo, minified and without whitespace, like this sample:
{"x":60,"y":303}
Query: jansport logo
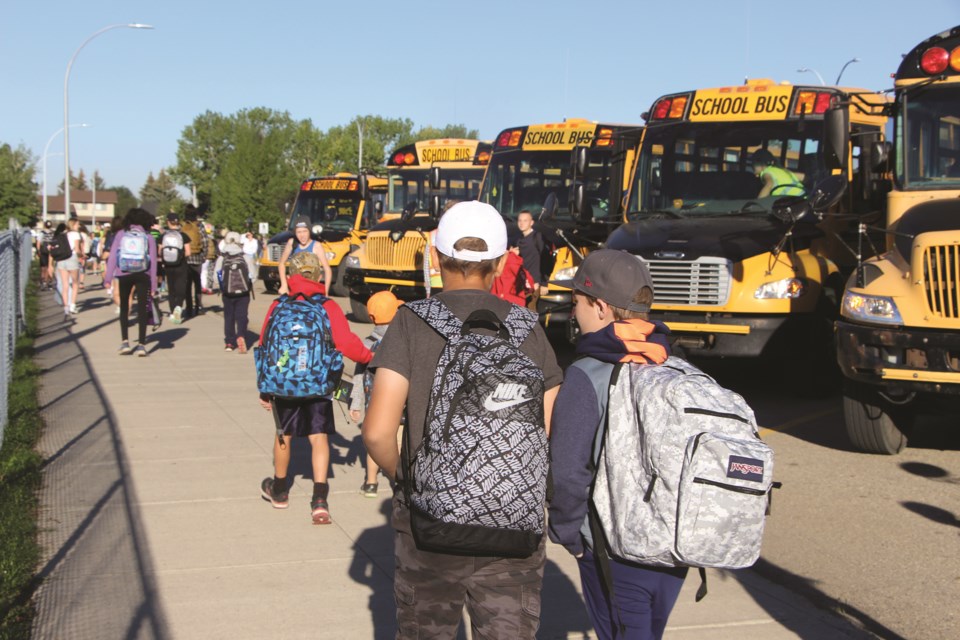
{"x":506,"y":394}
{"x":745,"y":469}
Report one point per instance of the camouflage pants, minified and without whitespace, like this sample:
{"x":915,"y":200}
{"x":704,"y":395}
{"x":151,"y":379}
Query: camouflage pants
{"x":502,"y":595}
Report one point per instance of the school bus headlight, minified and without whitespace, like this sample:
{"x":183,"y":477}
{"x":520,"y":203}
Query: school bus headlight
{"x":785,"y":289}
{"x":876,"y":309}
{"x":351,"y":262}
{"x":564,"y":274}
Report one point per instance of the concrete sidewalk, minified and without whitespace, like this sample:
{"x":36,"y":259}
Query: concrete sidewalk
{"x":152,"y":524}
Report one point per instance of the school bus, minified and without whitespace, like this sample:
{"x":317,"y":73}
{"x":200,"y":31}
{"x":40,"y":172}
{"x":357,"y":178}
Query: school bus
{"x":731,"y":278}
{"x":899,"y":333}
{"x":421,"y":177}
{"x":341,"y":208}
{"x":586,"y":166}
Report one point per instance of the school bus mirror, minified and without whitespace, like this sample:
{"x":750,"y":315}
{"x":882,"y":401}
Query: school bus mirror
{"x":880,"y":154}
{"x":790,"y":209}
{"x":836,"y":138}
{"x":408,"y":210}
{"x":362,"y":186}
{"x":378,"y":207}
{"x":434,"y":177}
{"x":827,"y":192}
{"x":577,"y":206}
{"x":579,"y":160}
{"x":550,"y":206}
{"x":435,"y":206}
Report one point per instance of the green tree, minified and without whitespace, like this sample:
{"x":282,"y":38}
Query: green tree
{"x":160,"y":194}
{"x":448,"y":131}
{"x":261,"y":172}
{"x":97,"y":182}
{"x":125,"y":200}
{"x":18,"y":191}
{"x":77,"y":183}
{"x":201,"y":150}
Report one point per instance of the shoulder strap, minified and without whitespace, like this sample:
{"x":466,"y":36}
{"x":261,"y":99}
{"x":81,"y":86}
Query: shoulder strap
{"x":437,"y":315}
{"x":520,"y":322}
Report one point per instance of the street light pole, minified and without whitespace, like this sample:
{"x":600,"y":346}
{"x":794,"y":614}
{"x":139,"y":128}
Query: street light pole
{"x":46,"y":149}
{"x":66,"y":108}
{"x":360,"y":153}
{"x":844,"y":68}
{"x":814,"y":71}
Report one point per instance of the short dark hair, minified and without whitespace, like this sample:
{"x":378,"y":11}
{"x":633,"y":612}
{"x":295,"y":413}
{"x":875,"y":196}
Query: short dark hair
{"x":138,"y":217}
{"x":643,"y":296}
{"x":483,"y":268}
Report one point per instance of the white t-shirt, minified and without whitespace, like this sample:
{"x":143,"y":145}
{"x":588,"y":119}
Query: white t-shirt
{"x":73,"y":237}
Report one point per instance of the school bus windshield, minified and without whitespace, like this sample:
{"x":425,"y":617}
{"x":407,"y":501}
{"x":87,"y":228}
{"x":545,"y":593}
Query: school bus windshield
{"x":691,"y":169}
{"x":520,"y":181}
{"x":929,"y":157}
{"x":332,"y":209}
{"x":414,"y":186}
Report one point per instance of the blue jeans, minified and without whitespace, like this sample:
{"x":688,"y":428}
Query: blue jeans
{"x":235,"y":318}
{"x":644,"y":597}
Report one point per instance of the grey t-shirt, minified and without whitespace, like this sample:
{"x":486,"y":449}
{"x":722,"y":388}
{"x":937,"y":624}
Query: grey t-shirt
{"x":412,"y":348}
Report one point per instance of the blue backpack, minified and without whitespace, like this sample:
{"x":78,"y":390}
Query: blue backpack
{"x":134,"y":254}
{"x":298,"y":358}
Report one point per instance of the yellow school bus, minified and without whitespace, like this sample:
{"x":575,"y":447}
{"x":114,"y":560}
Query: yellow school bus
{"x":421,"y":177}
{"x":732,"y":278}
{"x":899,"y":335}
{"x":585,"y":166}
{"x":341,"y":208}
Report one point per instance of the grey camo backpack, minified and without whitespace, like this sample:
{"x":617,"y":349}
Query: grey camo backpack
{"x":476,"y":484}
{"x":683,"y":478}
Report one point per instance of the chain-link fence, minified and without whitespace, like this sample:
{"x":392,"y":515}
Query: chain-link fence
{"x":16,"y":251}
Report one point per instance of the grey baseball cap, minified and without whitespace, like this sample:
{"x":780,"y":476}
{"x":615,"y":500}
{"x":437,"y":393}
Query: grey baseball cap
{"x":613,"y":276}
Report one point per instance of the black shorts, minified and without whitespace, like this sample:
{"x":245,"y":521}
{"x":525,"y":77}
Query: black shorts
{"x":302,"y":418}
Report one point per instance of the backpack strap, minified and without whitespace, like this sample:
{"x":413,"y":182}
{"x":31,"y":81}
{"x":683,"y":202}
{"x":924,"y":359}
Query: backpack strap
{"x":438,"y":316}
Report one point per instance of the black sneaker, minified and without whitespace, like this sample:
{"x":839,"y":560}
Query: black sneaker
{"x":277,"y":498}
{"x":369,"y":489}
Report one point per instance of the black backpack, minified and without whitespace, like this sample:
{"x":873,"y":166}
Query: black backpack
{"x":60,"y":248}
{"x":477,"y":482}
{"x":235,"y":276}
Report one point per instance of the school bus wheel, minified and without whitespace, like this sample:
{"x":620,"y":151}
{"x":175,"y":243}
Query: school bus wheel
{"x":358,"y":308}
{"x":873,"y":424}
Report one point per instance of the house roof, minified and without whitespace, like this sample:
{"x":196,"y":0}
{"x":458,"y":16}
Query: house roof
{"x":55,"y":203}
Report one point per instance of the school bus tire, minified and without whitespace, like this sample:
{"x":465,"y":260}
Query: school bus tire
{"x":873,"y":424}
{"x":270,"y":286}
{"x":339,"y":288}
{"x":358,"y":309}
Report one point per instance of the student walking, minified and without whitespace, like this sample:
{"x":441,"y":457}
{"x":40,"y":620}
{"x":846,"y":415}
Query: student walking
{"x":438,"y":574}
{"x":382,"y":307}
{"x":303,"y":241}
{"x":612,"y":294}
{"x":198,"y":250}
{"x":175,"y":248}
{"x":68,"y":269}
{"x":310,"y":418}
{"x":133,"y":264}
{"x":236,"y":286}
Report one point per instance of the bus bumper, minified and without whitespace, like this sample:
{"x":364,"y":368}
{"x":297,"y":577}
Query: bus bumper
{"x":901,"y":360}
{"x":406,"y":285}
{"x":733,"y":336}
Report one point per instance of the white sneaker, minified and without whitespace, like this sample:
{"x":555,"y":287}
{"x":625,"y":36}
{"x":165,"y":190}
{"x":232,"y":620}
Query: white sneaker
{"x":73,"y":309}
{"x":177,"y":316}
{"x":116,"y":310}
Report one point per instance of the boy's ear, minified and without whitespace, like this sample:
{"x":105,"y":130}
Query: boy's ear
{"x":501,"y":265}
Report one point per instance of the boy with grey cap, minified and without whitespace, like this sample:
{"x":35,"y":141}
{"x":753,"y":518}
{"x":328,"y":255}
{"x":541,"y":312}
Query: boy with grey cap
{"x":502,"y":595}
{"x":612,"y":294}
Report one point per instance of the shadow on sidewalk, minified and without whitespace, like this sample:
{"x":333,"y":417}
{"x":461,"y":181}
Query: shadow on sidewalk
{"x":96,"y":573}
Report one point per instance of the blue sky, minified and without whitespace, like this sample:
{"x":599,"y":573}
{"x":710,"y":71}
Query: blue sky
{"x":487,"y":65}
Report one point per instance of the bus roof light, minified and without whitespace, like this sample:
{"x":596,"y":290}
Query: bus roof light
{"x":678,"y":107}
{"x":604,"y":138}
{"x":805,"y":100}
{"x":398,"y":159}
{"x":409,"y":158}
{"x":509,"y":138}
{"x":822,"y":103}
{"x":662,"y":109}
{"x":934,"y":60}
{"x":955,"y":59}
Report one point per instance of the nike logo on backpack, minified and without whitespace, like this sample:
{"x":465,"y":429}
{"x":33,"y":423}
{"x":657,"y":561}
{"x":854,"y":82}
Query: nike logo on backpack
{"x":505,"y":395}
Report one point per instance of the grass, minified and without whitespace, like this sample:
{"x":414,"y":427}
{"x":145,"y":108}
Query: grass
{"x":20,"y":467}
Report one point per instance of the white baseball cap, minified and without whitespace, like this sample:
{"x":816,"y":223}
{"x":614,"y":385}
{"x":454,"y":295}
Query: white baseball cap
{"x":472,"y":220}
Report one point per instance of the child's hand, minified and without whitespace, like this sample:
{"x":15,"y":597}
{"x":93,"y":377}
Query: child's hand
{"x":355,"y":415}
{"x":265,"y":402}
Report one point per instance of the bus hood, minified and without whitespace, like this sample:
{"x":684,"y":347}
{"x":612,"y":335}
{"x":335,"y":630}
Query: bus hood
{"x":328,"y":235}
{"x":733,"y":238}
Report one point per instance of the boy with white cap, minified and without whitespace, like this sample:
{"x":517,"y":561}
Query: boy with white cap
{"x":502,"y":595}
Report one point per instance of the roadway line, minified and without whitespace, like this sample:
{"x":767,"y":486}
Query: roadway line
{"x":790,"y":424}
{"x":722,"y":625}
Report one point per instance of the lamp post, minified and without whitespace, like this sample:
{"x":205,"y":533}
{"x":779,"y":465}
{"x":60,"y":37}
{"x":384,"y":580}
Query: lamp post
{"x":813,"y":71}
{"x":66,"y":108}
{"x":844,"y":68}
{"x":360,"y":153}
{"x":45,"y":154}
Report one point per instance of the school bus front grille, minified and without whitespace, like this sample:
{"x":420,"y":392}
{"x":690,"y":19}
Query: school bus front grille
{"x":705,"y":281}
{"x":941,"y":280}
{"x":405,"y":255}
{"x":274,"y":251}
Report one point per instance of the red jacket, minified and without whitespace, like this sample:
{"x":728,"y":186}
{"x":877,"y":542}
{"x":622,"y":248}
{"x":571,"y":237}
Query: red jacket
{"x":506,"y":285}
{"x":345,"y":340}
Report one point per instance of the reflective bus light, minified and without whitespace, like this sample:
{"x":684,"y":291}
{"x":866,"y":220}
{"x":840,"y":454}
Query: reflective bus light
{"x":934,"y":60}
{"x":955,"y":59}
{"x":662,"y":109}
{"x":398,"y":159}
{"x":604,"y":138}
{"x":678,"y":106}
{"x":822,"y":103}
{"x":409,"y":158}
{"x":510,"y":138}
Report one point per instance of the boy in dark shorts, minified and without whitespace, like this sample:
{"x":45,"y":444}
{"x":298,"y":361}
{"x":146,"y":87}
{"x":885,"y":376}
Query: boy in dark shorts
{"x":502,"y":595}
{"x":310,"y":418}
